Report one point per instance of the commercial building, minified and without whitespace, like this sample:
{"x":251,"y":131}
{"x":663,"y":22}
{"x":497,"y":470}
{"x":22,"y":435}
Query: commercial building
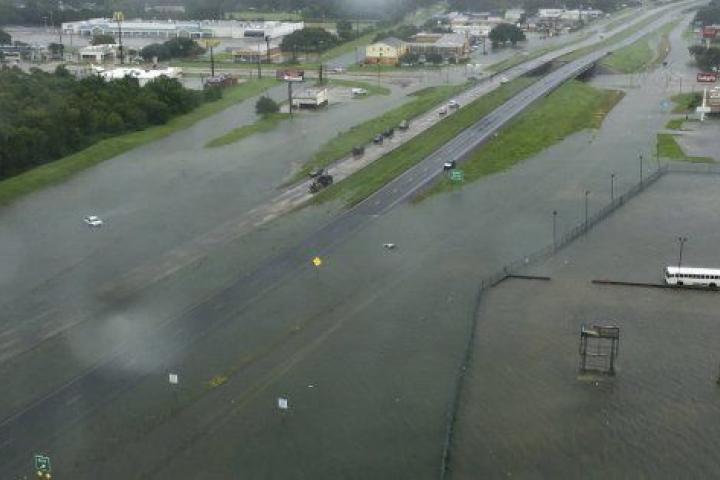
{"x":447,"y":45}
{"x":387,"y":51}
{"x":310,"y":98}
{"x":98,"y":53}
{"x":181,"y":29}
{"x":257,"y":49}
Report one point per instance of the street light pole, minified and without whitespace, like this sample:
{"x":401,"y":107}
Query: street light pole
{"x":640,"y":156}
{"x":682,"y":241}
{"x":612,"y":187}
{"x":554,"y":229}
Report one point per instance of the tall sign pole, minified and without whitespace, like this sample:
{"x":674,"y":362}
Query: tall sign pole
{"x":119,"y":17}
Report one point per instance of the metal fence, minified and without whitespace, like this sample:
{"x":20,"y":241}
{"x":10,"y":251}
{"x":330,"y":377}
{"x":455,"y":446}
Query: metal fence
{"x":514,"y":266}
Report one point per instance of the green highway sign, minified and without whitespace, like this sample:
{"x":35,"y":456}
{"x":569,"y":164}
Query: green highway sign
{"x":42,"y":463}
{"x":457,"y":175}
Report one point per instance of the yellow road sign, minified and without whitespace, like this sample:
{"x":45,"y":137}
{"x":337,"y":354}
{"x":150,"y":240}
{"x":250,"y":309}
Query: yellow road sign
{"x":317,"y":261}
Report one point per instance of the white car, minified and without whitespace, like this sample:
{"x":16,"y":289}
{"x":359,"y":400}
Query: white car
{"x":453,"y":104}
{"x":504,"y":80}
{"x":93,"y":221}
{"x":442,"y":111}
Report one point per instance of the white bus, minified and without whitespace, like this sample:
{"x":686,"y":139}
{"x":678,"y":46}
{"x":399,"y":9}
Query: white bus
{"x":706,"y":277}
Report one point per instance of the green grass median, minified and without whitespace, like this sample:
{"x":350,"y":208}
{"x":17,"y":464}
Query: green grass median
{"x":340,"y":146}
{"x":668,"y":148}
{"x":262,"y":124}
{"x":640,"y":55}
{"x":61,"y":169}
{"x":573,"y":107}
{"x":364,"y":183}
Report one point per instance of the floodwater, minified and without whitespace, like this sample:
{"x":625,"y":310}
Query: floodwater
{"x":525,"y":412}
{"x":365,"y":349}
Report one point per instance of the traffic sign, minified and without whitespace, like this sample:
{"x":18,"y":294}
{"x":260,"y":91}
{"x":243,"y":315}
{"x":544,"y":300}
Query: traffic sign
{"x":457,"y":176}
{"x":317,"y":261}
{"x":282,"y":403}
{"x":42,"y":464}
{"x":173,"y":378}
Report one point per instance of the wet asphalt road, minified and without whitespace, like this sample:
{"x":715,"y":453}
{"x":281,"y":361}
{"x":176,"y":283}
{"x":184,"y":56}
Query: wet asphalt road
{"x":100,"y":383}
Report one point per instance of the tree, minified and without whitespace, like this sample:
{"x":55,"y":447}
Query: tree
{"x":408,"y":57}
{"x":103,"y":39}
{"x":309,"y":39}
{"x":266,"y":105}
{"x":506,"y":32}
{"x":707,"y":59}
{"x":344,"y":30}
{"x":434,"y":58}
{"x":5,"y":38}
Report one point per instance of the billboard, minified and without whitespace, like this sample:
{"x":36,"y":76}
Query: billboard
{"x":705,"y":77}
{"x":290,"y":75}
{"x":709,"y":32}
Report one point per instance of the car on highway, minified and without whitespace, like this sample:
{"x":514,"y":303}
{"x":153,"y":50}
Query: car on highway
{"x":389,"y":132}
{"x":93,"y":221}
{"x":450,"y":165}
{"x":443,"y":111}
{"x":404,"y":125}
{"x":316,"y":172}
{"x":453,"y":104}
{"x":504,"y":80}
{"x":378,"y":139}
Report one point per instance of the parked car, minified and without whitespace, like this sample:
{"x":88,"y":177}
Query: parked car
{"x":378,"y":140}
{"x":449,"y":165}
{"x":453,"y":104}
{"x":93,"y":221}
{"x":358,"y":150}
{"x":358,"y":92}
{"x":404,"y":125}
{"x":336,"y":69}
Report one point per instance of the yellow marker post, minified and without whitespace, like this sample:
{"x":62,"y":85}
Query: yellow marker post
{"x":317,"y":261}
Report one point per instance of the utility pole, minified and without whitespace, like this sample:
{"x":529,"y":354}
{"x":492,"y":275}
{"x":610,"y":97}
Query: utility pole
{"x":267,"y":49}
{"x":209,"y":44}
{"x":640,"y":156}
{"x":290,"y":105}
{"x":119,"y":17}
{"x":554,"y":229}
{"x":612,"y":187}
{"x":258,"y":63}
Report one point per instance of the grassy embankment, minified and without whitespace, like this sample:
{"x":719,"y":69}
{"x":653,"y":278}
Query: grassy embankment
{"x":668,"y":148}
{"x":573,"y":107}
{"x":519,"y":58}
{"x":263,"y":124}
{"x":639,"y":55}
{"x":342,"y":144}
{"x":686,"y":102}
{"x":622,"y":35}
{"x":675,"y":124}
{"x":63,"y":168}
{"x":365,"y":182}
{"x":371,"y":88}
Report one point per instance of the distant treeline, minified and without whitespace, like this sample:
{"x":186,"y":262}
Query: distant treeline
{"x":45,"y":116}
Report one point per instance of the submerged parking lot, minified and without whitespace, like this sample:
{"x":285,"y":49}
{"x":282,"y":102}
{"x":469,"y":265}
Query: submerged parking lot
{"x":525,"y":412}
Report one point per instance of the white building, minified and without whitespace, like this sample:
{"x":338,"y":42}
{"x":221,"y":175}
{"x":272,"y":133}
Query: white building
{"x":181,"y":29}
{"x":310,"y":98}
{"x":143,"y":76}
{"x":514,"y":15}
{"x":98,"y":53}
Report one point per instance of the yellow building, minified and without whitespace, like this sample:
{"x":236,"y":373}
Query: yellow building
{"x":387,"y":51}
